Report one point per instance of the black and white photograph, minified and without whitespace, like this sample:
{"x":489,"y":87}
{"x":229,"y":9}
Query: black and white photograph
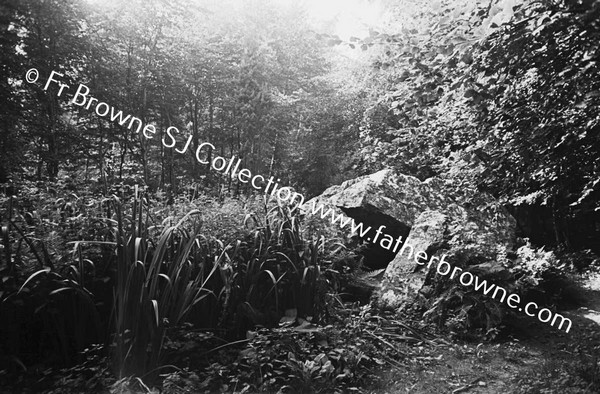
{"x":299,"y":196}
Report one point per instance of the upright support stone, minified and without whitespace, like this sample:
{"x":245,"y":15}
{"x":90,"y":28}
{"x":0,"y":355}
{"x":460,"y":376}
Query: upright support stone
{"x":403,"y":277}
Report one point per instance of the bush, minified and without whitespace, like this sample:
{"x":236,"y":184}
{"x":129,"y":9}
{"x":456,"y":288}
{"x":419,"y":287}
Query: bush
{"x":161,"y":272}
{"x":469,"y":314}
{"x":302,"y":357}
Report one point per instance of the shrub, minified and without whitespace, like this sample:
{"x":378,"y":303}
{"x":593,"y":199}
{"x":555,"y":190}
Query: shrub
{"x":52,"y":314}
{"x":157,"y":285}
{"x":531,"y":273}
{"x":302,"y":357}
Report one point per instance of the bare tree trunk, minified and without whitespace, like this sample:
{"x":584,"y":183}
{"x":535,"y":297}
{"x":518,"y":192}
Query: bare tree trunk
{"x":162,"y":152}
{"x":101,"y":164}
{"x":273,"y":155}
{"x":194,"y":117}
{"x":143,"y":141}
{"x":556,"y":223}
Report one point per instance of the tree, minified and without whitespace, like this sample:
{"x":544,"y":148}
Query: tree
{"x":540,"y":123}
{"x":11,"y":68}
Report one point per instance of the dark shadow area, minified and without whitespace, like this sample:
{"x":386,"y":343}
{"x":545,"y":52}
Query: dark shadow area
{"x":375,"y":256}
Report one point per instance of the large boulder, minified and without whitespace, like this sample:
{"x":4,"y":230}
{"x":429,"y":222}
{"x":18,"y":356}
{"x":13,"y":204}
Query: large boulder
{"x":441,"y":215}
{"x":385,"y":197}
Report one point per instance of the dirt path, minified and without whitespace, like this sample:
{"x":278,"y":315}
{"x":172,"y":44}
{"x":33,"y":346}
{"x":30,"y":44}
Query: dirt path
{"x":591,"y":291}
{"x":535,"y":358}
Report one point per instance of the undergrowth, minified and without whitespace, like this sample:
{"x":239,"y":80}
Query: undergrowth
{"x":144,"y":281}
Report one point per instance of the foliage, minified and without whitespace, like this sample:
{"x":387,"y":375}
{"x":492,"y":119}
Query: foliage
{"x":275,"y":269}
{"x":420,"y":115}
{"x":504,"y":90}
{"x":92,"y":375}
{"x":580,"y":375}
{"x":222,"y":218}
{"x":542,"y":277}
{"x":182,"y":381}
{"x":303,"y":357}
{"x":250,"y":82}
{"x":465,"y":313}
{"x":531,"y":273}
{"x":540,"y":77}
{"x":156,"y":286}
{"x":162,"y":272}
{"x":53,"y":315}
{"x":502,"y":94}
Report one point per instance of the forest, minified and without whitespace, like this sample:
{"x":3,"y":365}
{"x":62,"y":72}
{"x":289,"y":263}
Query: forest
{"x":240,"y":196}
